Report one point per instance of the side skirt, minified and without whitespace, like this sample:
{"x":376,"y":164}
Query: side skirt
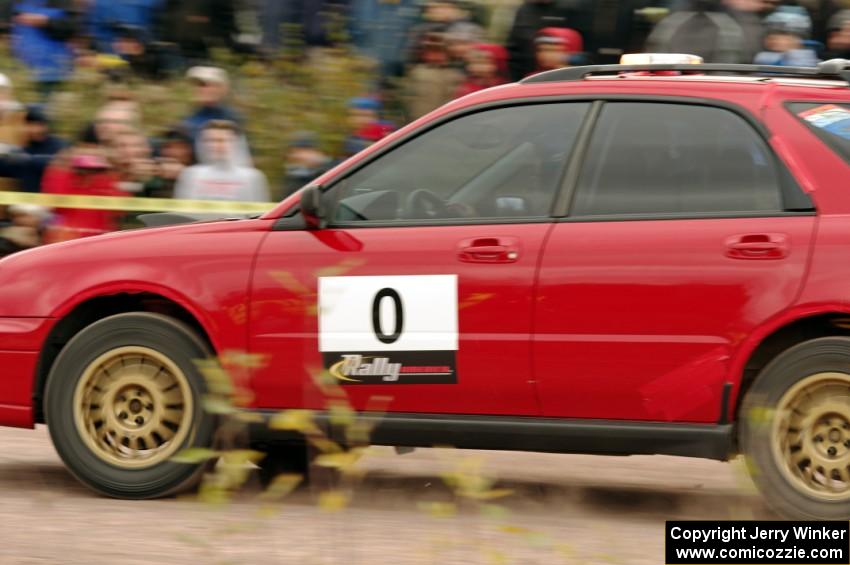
{"x":552,"y":435}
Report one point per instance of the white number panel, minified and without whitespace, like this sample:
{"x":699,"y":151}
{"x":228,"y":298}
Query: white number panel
{"x":392,"y":313}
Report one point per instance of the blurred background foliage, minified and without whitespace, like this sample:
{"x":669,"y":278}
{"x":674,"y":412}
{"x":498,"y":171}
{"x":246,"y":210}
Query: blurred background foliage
{"x":277,"y":98}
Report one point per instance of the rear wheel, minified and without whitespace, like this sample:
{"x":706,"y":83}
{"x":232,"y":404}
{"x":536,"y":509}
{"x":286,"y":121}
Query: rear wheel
{"x":795,"y":430}
{"x":124,"y":397}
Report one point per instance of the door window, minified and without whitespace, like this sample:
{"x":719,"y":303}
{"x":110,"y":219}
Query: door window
{"x":655,"y":158}
{"x":496,"y":164}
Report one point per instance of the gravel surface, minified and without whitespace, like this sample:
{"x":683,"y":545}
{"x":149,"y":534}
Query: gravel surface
{"x":563,"y":509}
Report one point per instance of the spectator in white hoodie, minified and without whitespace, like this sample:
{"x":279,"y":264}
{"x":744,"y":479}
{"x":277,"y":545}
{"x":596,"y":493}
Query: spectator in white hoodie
{"x":224,"y":171}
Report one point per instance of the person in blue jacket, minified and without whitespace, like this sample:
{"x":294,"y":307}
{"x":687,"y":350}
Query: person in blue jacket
{"x":107,"y":17}
{"x":41,"y":30}
{"x":28,"y":163}
{"x":211,"y":86}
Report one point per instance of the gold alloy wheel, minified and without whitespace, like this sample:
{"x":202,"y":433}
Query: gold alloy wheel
{"x":133,"y":407}
{"x":811,"y":436}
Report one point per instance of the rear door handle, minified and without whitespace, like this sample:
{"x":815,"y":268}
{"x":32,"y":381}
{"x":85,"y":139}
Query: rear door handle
{"x":758,"y":246}
{"x":489,"y":250}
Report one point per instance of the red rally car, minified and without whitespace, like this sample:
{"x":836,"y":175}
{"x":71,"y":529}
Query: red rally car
{"x":626,"y":259}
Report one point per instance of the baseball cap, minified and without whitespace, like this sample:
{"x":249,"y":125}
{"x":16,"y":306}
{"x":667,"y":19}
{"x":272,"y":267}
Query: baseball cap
{"x":213,"y":75}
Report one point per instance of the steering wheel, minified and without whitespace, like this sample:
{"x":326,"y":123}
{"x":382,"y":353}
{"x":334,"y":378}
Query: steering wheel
{"x":423,"y":204}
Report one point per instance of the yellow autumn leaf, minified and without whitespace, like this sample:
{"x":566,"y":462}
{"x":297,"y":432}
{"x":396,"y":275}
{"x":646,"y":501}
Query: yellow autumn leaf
{"x":294,"y":420}
{"x":492,"y":494}
{"x":474,"y":299}
{"x":339,"y":460}
{"x":496,"y":557}
{"x":340,"y":413}
{"x":515,"y":530}
{"x":242,"y":456}
{"x":250,"y":417}
{"x":324,"y":445}
{"x":760,"y":415}
{"x":243,"y":359}
{"x":215,"y":404}
{"x":439,"y":509}
{"x":334,"y":500}
{"x":288,"y":281}
{"x":282,"y":485}
{"x":195,"y":455}
{"x":217,"y":379}
{"x":340,"y":268}
{"x":494,"y":511}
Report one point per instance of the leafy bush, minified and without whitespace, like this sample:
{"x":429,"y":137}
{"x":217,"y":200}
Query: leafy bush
{"x":277,"y":99}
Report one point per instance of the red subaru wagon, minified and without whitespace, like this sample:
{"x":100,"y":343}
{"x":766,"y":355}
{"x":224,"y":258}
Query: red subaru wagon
{"x":644,"y":259}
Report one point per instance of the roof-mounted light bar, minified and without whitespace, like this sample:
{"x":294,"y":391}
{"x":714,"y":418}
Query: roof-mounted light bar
{"x":660,"y":59}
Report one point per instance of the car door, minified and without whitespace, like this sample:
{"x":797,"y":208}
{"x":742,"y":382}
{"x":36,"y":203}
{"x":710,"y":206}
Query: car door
{"x":685,"y":233}
{"x":418,"y":296}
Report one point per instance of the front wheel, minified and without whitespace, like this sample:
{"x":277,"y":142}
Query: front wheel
{"x":124,"y":397}
{"x":795,"y":430}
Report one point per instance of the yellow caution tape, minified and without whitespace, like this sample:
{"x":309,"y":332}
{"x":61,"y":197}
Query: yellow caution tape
{"x":134,"y":204}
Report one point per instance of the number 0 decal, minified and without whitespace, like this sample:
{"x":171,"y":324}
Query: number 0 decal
{"x":389,"y":329}
{"x":376,"y":316}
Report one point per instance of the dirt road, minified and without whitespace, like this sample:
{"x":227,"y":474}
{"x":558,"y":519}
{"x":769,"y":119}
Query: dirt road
{"x":564,"y":509}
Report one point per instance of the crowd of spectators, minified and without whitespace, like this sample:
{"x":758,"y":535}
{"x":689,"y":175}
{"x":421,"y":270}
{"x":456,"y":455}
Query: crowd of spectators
{"x":425,"y":53}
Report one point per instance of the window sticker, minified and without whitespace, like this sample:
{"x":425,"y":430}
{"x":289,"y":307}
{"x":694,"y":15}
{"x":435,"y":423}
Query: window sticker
{"x":830,"y":118}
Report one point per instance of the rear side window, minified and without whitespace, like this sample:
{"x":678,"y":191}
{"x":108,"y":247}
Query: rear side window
{"x":659,"y":158}
{"x":830,"y":122}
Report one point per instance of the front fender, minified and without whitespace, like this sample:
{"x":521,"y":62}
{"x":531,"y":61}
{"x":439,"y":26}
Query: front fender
{"x":205,"y":268}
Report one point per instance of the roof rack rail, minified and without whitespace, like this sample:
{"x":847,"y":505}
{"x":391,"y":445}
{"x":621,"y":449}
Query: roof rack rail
{"x":833,"y":69}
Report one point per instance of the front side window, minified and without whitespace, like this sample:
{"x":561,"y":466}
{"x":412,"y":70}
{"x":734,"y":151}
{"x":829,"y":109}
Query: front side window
{"x":501,"y":164}
{"x":661,"y":158}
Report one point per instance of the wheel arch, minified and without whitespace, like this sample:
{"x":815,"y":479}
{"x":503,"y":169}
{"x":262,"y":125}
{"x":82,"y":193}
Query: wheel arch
{"x":776,"y":339}
{"x":73,"y":318}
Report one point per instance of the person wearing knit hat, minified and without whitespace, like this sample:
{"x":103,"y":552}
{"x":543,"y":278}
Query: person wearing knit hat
{"x":433,"y":79}
{"x":305,"y":161}
{"x":461,"y":37}
{"x":27,"y":165}
{"x":486,"y":66}
{"x":838,"y":35}
{"x":556,"y":47}
{"x":367,"y":127}
{"x":25,"y":229}
{"x":787,"y":29}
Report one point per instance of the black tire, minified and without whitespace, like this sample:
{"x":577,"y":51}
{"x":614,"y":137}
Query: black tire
{"x":169,"y":338}
{"x":805,"y":365}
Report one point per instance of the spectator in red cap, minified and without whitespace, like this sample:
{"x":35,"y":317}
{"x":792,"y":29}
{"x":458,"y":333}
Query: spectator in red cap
{"x":486,"y":66}
{"x":555,"y":47}
{"x":85,"y":171}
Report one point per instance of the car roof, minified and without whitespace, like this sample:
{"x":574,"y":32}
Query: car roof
{"x":790,"y":81}
{"x":748,"y":90}
{"x":695,"y":82}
